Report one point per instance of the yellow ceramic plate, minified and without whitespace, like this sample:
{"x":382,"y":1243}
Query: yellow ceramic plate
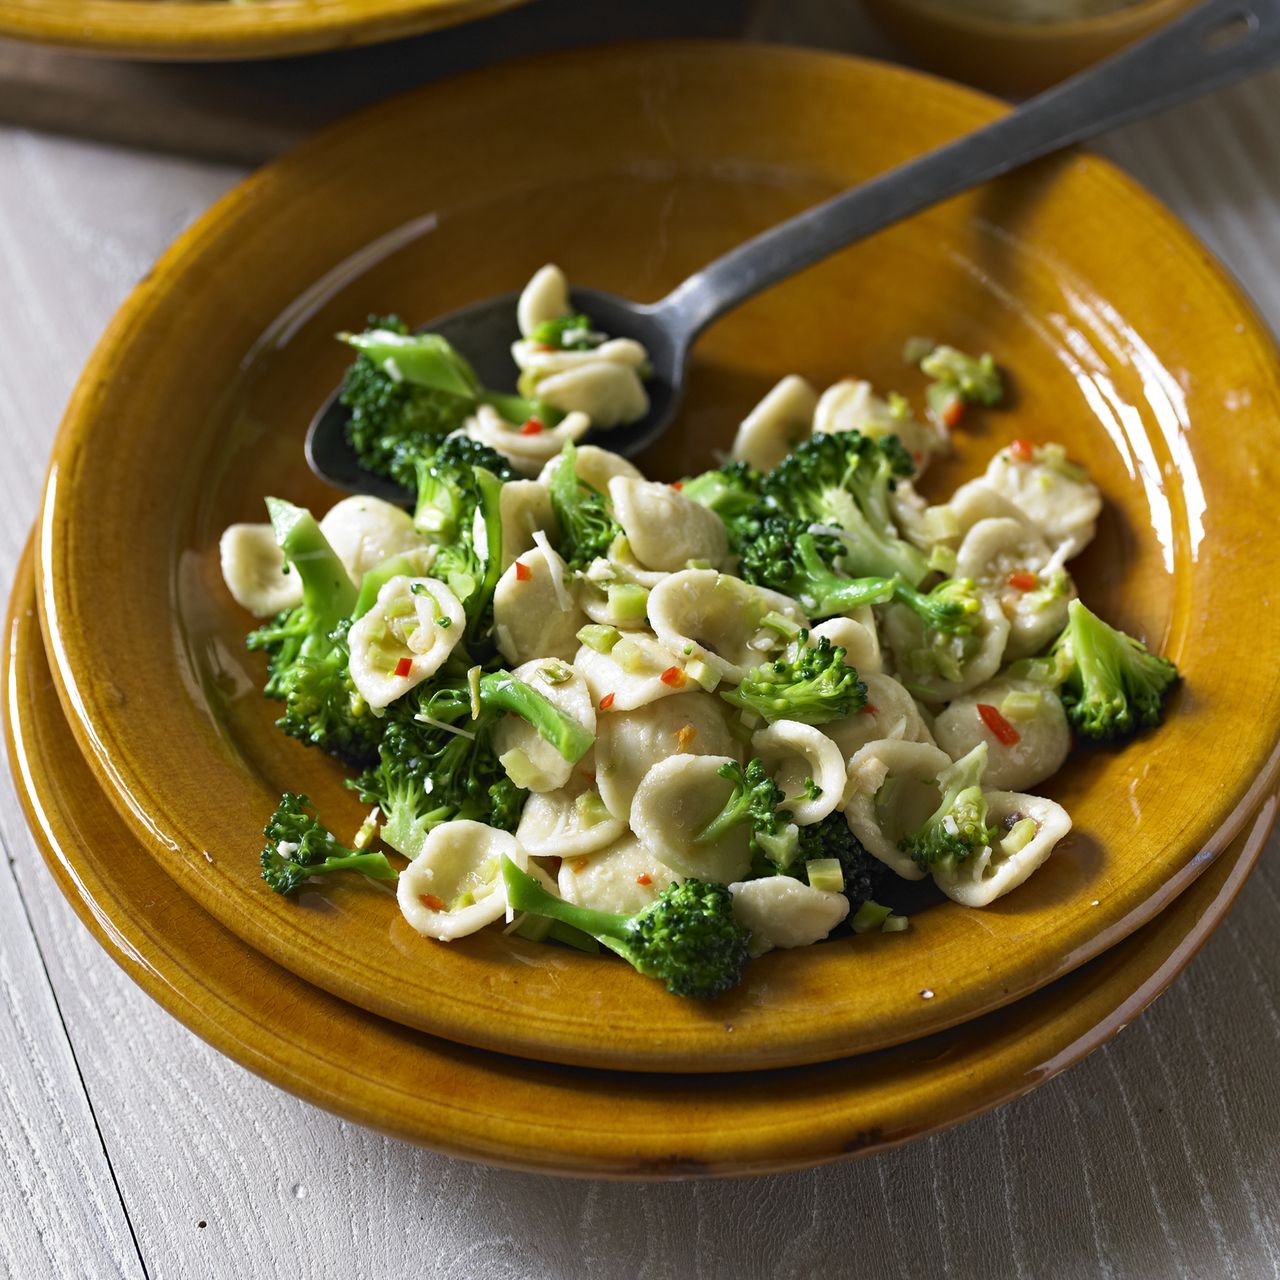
{"x":1123,"y":338}
{"x":526,"y":1114}
{"x":208,"y":29}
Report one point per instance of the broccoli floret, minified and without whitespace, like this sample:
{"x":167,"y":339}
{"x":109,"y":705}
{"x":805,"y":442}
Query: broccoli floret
{"x":830,"y":837}
{"x":812,"y":685}
{"x":756,"y":800}
{"x":436,"y":761}
{"x":688,"y":938}
{"x":958,"y":828}
{"x":956,"y":376}
{"x":1114,"y":685}
{"x":731,"y":491}
{"x":307,"y":645}
{"x":587,"y":526}
{"x":568,"y":333}
{"x":301,"y":847}
{"x":843,"y":480}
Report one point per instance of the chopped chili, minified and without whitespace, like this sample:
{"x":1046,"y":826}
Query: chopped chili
{"x":523,"y":572}
{"x":1022,"y":450}
{"x":678,"y":484}
{"x":644,"y":878}
{"x":1001,"y":729}
{"x":404,"y":668}
{"x":673,"y":678}
{"x":684,"y":736}
{"x":606,"y":702}
{"x":871,"y":709}
{"x":1023,"y":580}
{"x":953,"y":412}
{"x":532,"y":427}
{"x":431,"y":902}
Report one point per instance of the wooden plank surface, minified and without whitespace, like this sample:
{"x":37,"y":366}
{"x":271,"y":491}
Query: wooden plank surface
{"x":1156,"y":1158}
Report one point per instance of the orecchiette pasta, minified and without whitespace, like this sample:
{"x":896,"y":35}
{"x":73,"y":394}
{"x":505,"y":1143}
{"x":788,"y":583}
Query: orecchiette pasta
{"x":1053,"y":493}
{"x":1011,"y":560}
{"x":545,"y":297}
{"x":993,"y":871}
{"x":940,"y":668}
{"x":525,"y":508}
{"x":253,"y":567}
{"x":628,"y":742}
{"x":595,"y":466}
{"x":454,"y":886}
{"x":795,"y":755}
{"x":852,"y":405}
{"x":624,"y":878}
{"x":528,"y":453}
{"x":890,"y":712}
{"x":664,"y":529}
{"x":892,"y":791}
{"x":857,"y":636}
{"x":719,"y":619}
{"x":569,"y":822}
{"x":784,"y":912}
{"x":638,"y":670}
{"x":365,"y":531}
{"x":412,"y":628}
{"x":1036,"y":717}
{"x":537,"y":765}
{"x":776,"y":425}
{"x":535,"y":609}
{"x":675,"y":801}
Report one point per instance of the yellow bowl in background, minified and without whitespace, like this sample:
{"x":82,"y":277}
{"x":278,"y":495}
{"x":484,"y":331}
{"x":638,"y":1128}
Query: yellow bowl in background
{"x":1015,"y":58}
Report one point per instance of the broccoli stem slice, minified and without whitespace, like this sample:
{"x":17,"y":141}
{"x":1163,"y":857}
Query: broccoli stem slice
{"x":423,"y":359}
{"x":326,"y":587}
{"x":501,"y":691}
{"x":524,"y":893}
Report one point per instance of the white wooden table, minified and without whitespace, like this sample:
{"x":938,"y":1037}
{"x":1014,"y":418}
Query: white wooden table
{"x":129,"y":1148}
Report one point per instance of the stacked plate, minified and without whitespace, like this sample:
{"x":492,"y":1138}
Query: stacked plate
{"x":148,"y":756}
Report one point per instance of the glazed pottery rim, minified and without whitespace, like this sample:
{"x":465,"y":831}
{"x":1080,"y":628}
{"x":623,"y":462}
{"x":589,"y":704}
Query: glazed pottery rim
{"x":566,"y":1048}
{"x":1102,"y":25}
{"x":314,"y":1074}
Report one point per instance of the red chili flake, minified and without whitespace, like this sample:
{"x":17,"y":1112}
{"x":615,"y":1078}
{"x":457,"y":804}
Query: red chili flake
{"x":1022,"y":450}
{"x":673,"y":678}
{"x":644,"y":878}
{"x":684,"y":736}
{"x":954,"y":411}
{"x":404,"y":668}
{"x":606,"y":702}
{"x":1003,"y":731}
{"x":1023,"y":580}
{"x":871,"y":709}
{"x":917,"y":456}
{"x":523,"y":572}
{"x":543,"y":346}
{"x":532,"y":427}
{"x":578,"y":864}
{"x":677,"y":484}
{"x":431,"y":902}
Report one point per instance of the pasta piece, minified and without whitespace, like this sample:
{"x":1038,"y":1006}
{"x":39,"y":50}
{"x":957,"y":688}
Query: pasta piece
{"x":717,"y":619}
{"x":1035,"y":715}
{"x":569,"y":822}
{"x":890,"y":712}
{"x":1054,"y":494}
{"x":454,"y":886}
{"x":624,"y":878}
{"x":610,"y":394}
{"x":595,"y":466}
{"x":525,"y":508}
{"x":857,"y":636}
{"x":528,"y":452}
{"x":945,"y":525}
{"x":784,"y":912}
{"x":852,"y":405}
{"x":942,"y":671}
{"x":1011,"y":560}
{"x":992,"y":872}
{"x":892,"y":791}
{"x":782,"y":420}
{"x":541,"y":362}
{"x":545,"y":297}
{"x":535,"y":609}
{"x":664,"y":529}
{"x":638,"y":670}
{"x":628,"y":743}
{"x":795,"y":755}
{"x":253,"y":568}
{"x":365,"y":531}
{"x":537,"y":765}
{"x":414,"y":625}
{"x":676,"y":799}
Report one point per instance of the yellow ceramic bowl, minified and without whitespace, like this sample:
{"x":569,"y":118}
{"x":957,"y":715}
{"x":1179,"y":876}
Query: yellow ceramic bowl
{"x":210,"y":29}
{"x":1017,"y":58}
{"x":526,"y":1114}
{"x":642,"y":163}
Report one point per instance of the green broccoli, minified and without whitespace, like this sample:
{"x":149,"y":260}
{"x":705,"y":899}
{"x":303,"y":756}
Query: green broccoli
{"x":587,"y":526}
{"x":688,"y":938}
{"x":830,"y":837}
{"x":958,"y":828}
{"x":813,"y":685}
{"x":842,"y":481}
{"x":731,"y":491}
{"x":1113,"y":685}
{"x":957,"y":379}
{"x":756,"y":800}
{"x":307,"y":645}
{"x":300,"y":847}
{"x":568,"y":333}
{"x":436,"y":761}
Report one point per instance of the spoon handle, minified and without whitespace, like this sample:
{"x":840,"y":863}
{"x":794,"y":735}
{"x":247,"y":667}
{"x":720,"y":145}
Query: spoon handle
{"x":1216,"y":44}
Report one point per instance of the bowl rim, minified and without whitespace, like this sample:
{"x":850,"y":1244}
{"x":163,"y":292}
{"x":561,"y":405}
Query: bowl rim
{"x":1118,"y":22}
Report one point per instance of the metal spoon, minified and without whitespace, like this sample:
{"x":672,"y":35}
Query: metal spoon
{"x":1216,"y":44}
